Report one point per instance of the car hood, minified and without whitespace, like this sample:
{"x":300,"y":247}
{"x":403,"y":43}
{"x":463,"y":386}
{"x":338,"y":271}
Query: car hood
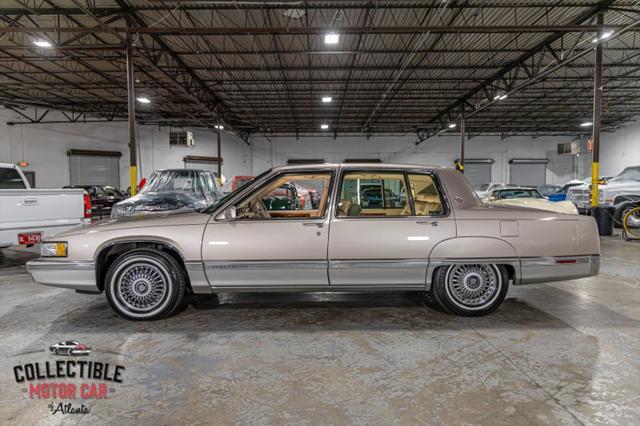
{"x":168,"y":218}
{"x":565,"y":207}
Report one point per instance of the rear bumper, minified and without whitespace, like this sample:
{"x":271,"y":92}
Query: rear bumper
{"x":77,"y":275}
{"x":9,"y":236}
{"x":546,"y":269}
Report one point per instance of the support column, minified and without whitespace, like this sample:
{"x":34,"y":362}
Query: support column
{"x":597,"y":116}
{"x":131,"y":103}
{"x":219,"y":153}
{"x":461,"y":162}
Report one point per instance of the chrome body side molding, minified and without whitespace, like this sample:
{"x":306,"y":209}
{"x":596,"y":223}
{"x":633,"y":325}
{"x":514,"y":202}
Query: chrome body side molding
{"x":266,"y":264}
{"x":560,"y":268}
{"x":197,"y":277}
{"x":76,"y":275}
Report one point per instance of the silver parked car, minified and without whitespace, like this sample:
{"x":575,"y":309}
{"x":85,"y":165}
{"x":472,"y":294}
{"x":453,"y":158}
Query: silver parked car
{"x":426,"y":231}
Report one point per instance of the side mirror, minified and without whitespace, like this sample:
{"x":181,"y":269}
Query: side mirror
{"x":228,"y":214}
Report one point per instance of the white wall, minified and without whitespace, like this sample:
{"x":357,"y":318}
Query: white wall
{"x":620,"y":149}
{"x":45,"y":147}
{"x":443,"y":151}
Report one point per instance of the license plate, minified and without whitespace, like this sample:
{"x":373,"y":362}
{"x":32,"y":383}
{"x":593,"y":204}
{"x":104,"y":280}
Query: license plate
{"x":30,"y":238}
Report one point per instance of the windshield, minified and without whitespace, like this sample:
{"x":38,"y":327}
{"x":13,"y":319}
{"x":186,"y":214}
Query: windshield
{"x":211,"y":208}
{"x":482,"y":187}
{"x":110,"y":191}
{"x":507,"y":194}
{"x":630,"y":173}
{"x":188,"y":181}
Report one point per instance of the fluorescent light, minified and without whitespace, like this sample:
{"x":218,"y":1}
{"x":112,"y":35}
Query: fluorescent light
{"x":327,"y":99}
{"x":503,"y":97}
{"x":219,"y":126}
{"x":42,"y":43}
{"x":144,"y":100}
{"x":324,"y":126}
{"x":452,"y":125}
{"x":586,"y":124}
{"x":595,"y":40}
{"x":496,"y":97}
{"x":606,"y":35}
{"x":331,"y":38}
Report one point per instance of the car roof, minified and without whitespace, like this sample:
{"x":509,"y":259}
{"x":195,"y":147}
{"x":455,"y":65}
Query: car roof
{"x":513,"y":187}
{"x":359,"y":166}
{"x":184,"y":170}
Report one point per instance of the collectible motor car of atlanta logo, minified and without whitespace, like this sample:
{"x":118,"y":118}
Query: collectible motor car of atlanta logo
{"x":70,"y":347}
{"x":68,"y":377}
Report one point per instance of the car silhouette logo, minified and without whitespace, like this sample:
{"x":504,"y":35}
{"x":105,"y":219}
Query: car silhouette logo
{"x":70,"y":348}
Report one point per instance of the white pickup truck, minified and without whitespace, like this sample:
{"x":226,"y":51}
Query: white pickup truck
{"x":28,"y":215}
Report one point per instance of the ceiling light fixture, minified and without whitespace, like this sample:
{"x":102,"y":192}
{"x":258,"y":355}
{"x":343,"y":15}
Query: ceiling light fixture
{"x":452,"y":125}
{"x":144,"y":100}
{"x":42,"y":43}
{"x":219,"y":126}
{"x":331,"y":38}
{"x":327,"y":99}
{"x":586,"y":124}
{"x":606,"y":35}
{"x":324,"y":126}
{"x":502,"y":97}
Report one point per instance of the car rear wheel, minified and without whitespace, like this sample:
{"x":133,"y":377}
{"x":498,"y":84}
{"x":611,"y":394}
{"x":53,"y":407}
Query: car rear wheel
{"x":470,"y":290}
{"x":145,"y":284}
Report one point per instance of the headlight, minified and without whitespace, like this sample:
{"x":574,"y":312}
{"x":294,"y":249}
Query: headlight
{"x":57,"y":249}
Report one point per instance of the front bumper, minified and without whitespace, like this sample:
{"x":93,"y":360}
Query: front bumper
{"x":546,"y":269}
{"x":77,"y":275}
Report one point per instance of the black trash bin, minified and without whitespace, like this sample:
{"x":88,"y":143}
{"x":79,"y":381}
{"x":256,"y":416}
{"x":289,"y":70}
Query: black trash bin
{"x":604,"y":219}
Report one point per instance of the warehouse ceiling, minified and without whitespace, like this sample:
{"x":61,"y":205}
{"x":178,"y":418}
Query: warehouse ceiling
{"x":264,"y":67}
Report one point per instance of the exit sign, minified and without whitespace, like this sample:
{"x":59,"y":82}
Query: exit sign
{"x":23,"y":164}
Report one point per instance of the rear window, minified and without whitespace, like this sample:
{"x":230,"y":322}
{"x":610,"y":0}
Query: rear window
{"x":10,"y":179}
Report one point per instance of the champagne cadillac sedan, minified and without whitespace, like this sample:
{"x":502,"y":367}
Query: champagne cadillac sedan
{"x":427,"y":231}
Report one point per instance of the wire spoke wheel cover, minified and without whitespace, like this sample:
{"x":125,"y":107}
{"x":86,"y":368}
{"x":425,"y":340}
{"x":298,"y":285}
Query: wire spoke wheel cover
{"x":473,"y":286}
{"x":141,"y":285}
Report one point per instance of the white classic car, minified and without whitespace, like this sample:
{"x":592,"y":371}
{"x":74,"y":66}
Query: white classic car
{"x":527,"y":197}
{"x":425,"y":231}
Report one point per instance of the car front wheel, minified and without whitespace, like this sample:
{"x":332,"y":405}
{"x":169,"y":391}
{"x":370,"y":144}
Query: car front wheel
{"x":145,"y":284}
{"x":470,"y":290}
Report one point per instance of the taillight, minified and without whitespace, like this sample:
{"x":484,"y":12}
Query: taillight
{"x":87,"y":206}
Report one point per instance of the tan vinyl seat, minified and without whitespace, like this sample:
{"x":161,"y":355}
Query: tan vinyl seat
{"x":427,"y":204}
{"x":348,"y":208}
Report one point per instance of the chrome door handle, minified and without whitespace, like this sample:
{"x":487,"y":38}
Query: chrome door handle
{"x":427,"y":222}
{"x":30,"y":202}
{"x":318,"y":224}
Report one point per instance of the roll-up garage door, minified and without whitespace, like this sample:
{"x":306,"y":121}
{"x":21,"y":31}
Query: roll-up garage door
{"x":528,"y":172}
{"x":478,"y":171}
{"x":87,"y":167}
{"x":201,"y":162}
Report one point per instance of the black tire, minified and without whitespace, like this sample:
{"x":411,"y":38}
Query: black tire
{"x":445,"y":288}
{"x":156,"y":291}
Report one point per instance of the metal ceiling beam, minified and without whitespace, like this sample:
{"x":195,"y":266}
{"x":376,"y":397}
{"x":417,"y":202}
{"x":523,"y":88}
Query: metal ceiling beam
{"x":163,"y":5}
{"x":246,"y":31}
{"x":214,"y":105}
{"x":489,"y":85}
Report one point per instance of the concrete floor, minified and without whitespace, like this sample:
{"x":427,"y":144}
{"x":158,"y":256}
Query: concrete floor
{"x":567,"y":353}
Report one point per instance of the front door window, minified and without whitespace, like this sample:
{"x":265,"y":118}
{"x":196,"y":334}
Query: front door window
{"x":288,"y":196}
